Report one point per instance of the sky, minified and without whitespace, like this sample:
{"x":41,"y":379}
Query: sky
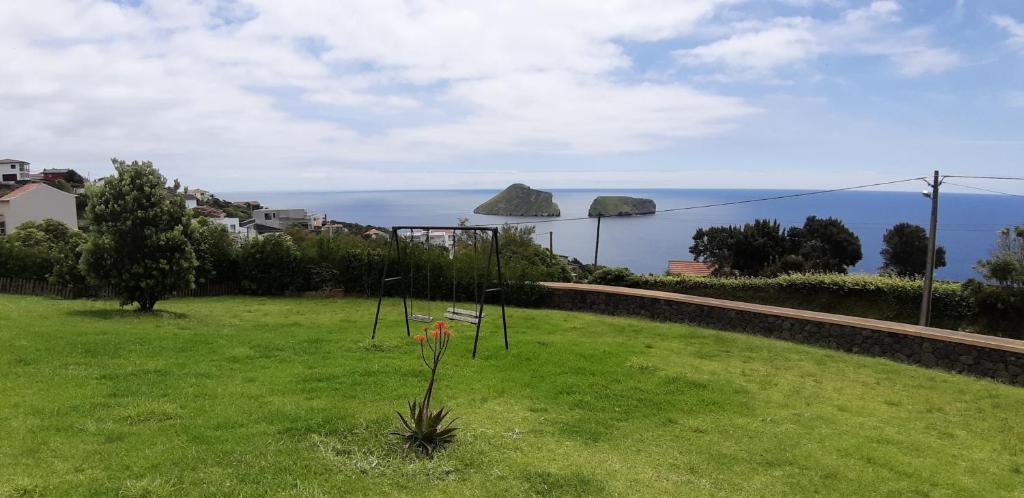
{"x":374,"y":95}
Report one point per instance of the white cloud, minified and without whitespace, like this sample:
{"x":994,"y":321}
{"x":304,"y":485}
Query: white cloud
{"x":759,"y":49}
{"x":918,"y":61}
{"x":233,"y":91}
{"x":1014,"y":28}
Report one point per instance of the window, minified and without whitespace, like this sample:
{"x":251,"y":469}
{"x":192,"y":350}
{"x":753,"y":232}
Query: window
{"x":14,"y":166}
{"x":266,"y":216}
{"x":3,"y":228}
{"x":10,"y":178}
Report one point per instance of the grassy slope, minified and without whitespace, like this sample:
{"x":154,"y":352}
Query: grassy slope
{"x":249,"y":396}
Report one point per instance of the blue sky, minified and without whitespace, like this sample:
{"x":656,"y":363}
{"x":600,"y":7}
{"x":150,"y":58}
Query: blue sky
{"x":329,"y":95}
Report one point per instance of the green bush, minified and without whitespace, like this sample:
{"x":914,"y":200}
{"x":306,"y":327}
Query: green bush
{"x":427,"y":270}
{"x":43,"y":250}
{"x":870,"y":296}
{"x":270,"y":265}
{"x":611,"y":276}
{"x":1000,"y":309}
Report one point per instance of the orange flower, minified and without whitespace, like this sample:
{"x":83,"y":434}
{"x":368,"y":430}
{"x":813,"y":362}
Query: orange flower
{"x":420,"y":338}
{"x":448,"y":333}
{"x":435,"y":333}
{"x":441,"y":325}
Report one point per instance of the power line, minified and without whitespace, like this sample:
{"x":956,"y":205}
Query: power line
{"x":1017,"y":178}
{"x":720,"y":204}
{"x":982,"y":189}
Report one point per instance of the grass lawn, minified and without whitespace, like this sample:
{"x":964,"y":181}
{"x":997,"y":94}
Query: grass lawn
{"x":287,"y":397}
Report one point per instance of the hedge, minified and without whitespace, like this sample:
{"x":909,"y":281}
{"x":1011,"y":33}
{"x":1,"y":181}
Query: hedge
{"x":955,"y":306}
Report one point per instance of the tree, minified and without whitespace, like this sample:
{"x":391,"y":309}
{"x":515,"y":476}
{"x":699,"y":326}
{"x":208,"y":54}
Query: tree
{"x":749,"y":250}
{"x":270,"y":264}
{"x":139,"y":235}
{"x":74,"y":178}
{"x":216,"y":252}
{"x":824,"y":245}
{"x":906,"y":251}
{"x":58,"y":244}
{"x":1006,"y":264}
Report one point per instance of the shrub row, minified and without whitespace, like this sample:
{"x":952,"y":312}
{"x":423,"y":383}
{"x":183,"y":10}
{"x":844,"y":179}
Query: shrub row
{"x":971,"y":306}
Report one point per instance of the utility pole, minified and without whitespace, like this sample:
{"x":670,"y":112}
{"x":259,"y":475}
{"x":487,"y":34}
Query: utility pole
{"x":929,"y":271}
{"x":551,"y":241}
{"x":597,"y":240}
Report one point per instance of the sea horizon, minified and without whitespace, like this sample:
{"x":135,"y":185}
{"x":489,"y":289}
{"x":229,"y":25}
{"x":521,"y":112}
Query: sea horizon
{"x":968,"y":222}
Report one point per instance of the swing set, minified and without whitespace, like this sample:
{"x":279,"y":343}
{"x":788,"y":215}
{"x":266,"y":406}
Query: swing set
{"x":480,"y":288}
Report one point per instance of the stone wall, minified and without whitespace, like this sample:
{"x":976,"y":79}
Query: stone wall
{"x":992,"y":357}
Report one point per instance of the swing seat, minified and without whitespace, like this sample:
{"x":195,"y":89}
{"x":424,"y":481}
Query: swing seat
{"x":421,"y":318}
{"x":463,"y":315}
{"x":462,"y":318}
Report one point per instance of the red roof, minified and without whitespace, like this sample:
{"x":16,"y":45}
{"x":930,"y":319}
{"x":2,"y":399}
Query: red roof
{"x":21,"y":190}
{"x":692,"y":268}
{"x":209,"y":212}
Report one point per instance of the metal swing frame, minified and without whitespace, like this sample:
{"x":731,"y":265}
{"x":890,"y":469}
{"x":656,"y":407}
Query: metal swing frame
{"x":494,"y":251}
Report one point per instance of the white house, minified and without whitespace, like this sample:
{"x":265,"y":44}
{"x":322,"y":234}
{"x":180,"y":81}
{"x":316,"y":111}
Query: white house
{"x":13,"y":170}
{"x":283,"y":218}
{"x":36,"y":202}
{"x":232,"y":224}
{"x":191,"y":201}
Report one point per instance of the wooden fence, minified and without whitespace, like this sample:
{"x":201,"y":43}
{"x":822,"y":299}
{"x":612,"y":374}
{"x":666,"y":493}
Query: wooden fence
{"x":10,"y":285}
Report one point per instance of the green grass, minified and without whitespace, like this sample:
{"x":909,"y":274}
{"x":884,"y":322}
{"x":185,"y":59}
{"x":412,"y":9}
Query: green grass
{"x":287,"y":397}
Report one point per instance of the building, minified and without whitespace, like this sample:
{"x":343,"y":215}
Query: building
{"x":202,"y":195}
{"x":283,"y":218}
{"x":13,"y":171}
{"x":191,"y":201}
{"x":690,"y":268}
{"x":436,"y":237}
{"x":250,"y":228}
{"x":36,"y":202}
{"x":54,"y":174}
{"x":232,"y":224}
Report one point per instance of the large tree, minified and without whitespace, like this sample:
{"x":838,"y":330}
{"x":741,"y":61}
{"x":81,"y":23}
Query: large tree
{"x":752,"y":249}
{"x":824,"y":245}
{"x":906,"y":251}
{"x":139,"y":235}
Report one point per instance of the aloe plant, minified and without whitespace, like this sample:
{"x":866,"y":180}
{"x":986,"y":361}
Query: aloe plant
{"x":425,"y":429}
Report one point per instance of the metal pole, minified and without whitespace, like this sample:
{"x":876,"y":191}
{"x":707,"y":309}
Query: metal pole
{"x":480,"y":303}
{"x":597,"y":240}
{"x":407,"y":294}
{"x":551,"y":242}
{"x":501,"y":285}
{"x":929,"y":272}
{"x":380,"y":293}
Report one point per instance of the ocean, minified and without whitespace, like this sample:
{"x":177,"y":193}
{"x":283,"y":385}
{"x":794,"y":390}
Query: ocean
{"x":967,"y":222}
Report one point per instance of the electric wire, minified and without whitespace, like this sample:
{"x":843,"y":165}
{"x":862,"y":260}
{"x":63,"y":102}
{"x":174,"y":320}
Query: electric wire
{"x":717,"y":204}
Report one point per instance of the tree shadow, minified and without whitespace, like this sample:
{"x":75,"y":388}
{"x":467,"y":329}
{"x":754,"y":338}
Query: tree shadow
{"x":127,"y":313}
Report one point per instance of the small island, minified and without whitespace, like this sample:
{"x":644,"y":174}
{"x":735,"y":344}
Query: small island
{"x":520,"y":200}
{"x":621,"y":205}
